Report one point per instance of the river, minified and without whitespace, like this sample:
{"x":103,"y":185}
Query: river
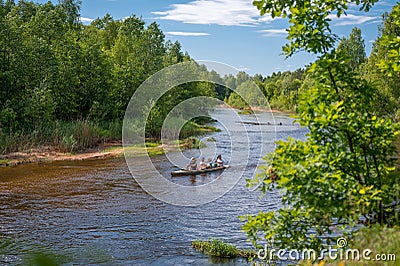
{"x":95,"y":213}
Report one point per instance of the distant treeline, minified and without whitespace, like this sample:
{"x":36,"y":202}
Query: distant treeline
{"x":282,"y":89}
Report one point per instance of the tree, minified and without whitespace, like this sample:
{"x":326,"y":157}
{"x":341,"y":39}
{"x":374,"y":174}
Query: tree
{"x":152,"y":49}
{"x":71,"y":9}
{"x":108,"y":30}
{"x":281,"y":89}
{"x":309,"y":28}
{"x":179,"y":94}
{"x":221,"y":90}
{"x":230,"y":83}
{"x":354,"y":47}
{"x":247,"y":94}
{"x":391,"y":40}
{"x":381,"y":66}
{"x":340,"y":174}
{"x":174,"y":53}
{"x":241,"y":77}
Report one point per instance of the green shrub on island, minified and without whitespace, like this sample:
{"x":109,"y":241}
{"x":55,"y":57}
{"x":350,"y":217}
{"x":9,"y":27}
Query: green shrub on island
{"x":221,"y":249}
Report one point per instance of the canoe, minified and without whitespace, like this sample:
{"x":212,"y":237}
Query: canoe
{"x":198,"y":172}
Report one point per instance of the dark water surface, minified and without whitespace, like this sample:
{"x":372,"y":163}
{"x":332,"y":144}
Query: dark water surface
{"x":94,"y":212}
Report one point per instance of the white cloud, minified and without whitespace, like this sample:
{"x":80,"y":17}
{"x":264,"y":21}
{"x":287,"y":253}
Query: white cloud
{"x":243,"y":68}
{"x":374,"y":22}
{"x":349,"y":19}
{"x":273,"y":32}
{"x":219,"y":12}
{"x":86,"y":20}
{"x":181,"y":33}
{"x":384,"y":3}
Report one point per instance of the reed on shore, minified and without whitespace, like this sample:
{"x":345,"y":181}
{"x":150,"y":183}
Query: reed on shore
{"x":65,"y":136}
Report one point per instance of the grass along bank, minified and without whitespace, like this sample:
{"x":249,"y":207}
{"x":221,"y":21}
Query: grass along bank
{"x":63,"y":136}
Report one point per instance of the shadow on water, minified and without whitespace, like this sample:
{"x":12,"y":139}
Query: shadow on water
{"x":94,"y":212}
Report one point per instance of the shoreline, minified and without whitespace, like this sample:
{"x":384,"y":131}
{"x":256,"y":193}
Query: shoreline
{"x":112,"y":149}
{"x":47,"y":153}
{"x":50,"y":154}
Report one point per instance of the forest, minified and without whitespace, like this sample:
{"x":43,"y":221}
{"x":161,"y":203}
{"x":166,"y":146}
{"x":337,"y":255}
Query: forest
{"x":67,"y":84}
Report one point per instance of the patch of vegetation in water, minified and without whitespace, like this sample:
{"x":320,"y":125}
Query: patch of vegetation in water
{"x":4,"y":161}
{"x":246,"y":112}
{"x":43,"y":259}
{"x":192,"y":143}
{"x":197,"y":126}
{"x":208,"y":128}
{"x":218,"y":248}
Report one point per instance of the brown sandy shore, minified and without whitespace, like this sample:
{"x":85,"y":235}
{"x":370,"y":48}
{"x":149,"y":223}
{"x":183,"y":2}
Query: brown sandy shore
{"x":104,"y":150}
{"x":50,"y":154}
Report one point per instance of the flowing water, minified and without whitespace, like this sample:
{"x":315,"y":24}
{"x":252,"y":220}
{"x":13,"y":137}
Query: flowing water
{"x":94,"y":212}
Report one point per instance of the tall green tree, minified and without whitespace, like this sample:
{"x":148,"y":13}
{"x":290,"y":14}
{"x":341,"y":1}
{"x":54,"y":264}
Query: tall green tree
{"x":354,"y":47}
{"x":381,"y":66}
{"x":230,"y":83}
{"x":173,"y":54}
{"x":71,"y":12}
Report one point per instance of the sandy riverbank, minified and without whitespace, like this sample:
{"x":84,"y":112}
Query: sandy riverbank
{"x":50,"y":154}
{"x":104,"y":150}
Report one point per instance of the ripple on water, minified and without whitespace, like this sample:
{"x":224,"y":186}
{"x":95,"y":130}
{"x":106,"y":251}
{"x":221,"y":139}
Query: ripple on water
{"x":94,"y":212}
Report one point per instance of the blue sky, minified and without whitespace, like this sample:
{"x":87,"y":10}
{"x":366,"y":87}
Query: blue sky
{"x":231,"y":31}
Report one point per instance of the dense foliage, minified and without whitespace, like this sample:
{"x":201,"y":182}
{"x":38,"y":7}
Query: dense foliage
{"x":55,"y":69}
{"x":343,"y":173}
{"x":381,"y":68}
{"x":280,"y":89}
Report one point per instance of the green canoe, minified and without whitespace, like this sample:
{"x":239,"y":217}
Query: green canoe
{"x":197,"y":172}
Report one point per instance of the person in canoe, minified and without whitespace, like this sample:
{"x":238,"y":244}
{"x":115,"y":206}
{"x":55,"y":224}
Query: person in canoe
{"x":219,"y":161}
{"x":271,"y":173}
{"x":209,"y":163}
{"x":202,"y":164}
{"x":192,"y":164}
